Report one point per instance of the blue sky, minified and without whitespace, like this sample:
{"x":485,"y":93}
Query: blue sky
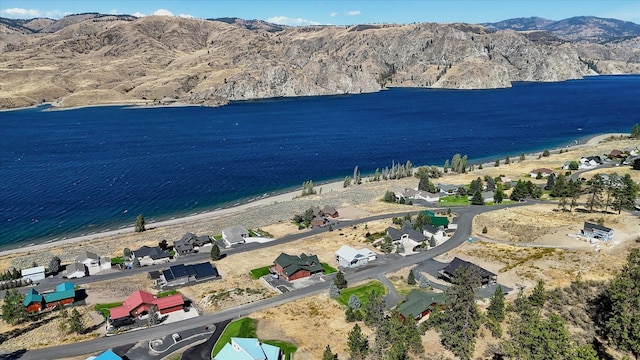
{"x":337,"y":12}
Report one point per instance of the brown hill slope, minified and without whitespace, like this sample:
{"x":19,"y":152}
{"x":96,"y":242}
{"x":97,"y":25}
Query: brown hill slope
{"x":102,"y":60}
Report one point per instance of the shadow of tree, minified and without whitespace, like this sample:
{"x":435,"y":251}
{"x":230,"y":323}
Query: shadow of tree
{"x":14,"y":355}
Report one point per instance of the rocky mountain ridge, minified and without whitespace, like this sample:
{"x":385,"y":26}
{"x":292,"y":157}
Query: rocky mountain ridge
{"x":155,"y":59}
{"x":579,"y":28}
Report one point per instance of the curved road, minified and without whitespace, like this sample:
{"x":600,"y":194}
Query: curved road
{"x":461,"y":235}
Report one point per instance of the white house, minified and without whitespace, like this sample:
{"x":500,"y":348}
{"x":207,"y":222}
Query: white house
{"x":105,"y":263}
{"x":35,"y":273}
{"x":544,"y":172}
{"x":597,"y":232}
{"x":75,"y":270}
{"x":234,"y":235}
{"x":347,"y":256}
{"x":437,"y":232}
{"x":90,"y":260}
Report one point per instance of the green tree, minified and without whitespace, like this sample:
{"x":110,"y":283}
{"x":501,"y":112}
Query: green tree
{"x":550,"y":182}
{"x":334,"y":292}
{"x":13,"y":311}
{"x":635,"y":131}
{"x":495,"y":310}
{"x":340,"y":281}
{"x":432,"y":241}
{"x":373,"y":310}
{"x":545,"y":153}
{"x":498,"y":195}
{"x":619,"y":313}
{"x":507,"y":161}
{"x":595,"y":192}
{"x":477,"y":199}
{"x":328,"y":354}
{"x":539,"y":296}
{"x":136,"y":262}
{"x":425,"y":185}
{"x":475,"y":185}
{"x":458,"y":326}
{"x":127,"y":253}
{"x":76,"y":324}
{"x":497,"y":163}
{"x":387,"y":245}
{"x":140,"y":223}
{"x":522,"y":157}
{"x":54,"y":265}
{"x":354,"y":302}
{"x":389,"y":196}
{"x":573,"y":165}
{"x":153,"y":316}
{"x":411,"y":279}
{"x":357,"y":343}
{"x":347,"y":182}
{"x":215,"y":252}
{"x":491,"y":183}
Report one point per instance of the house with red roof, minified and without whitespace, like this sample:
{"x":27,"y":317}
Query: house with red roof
{"x":141,"y":301}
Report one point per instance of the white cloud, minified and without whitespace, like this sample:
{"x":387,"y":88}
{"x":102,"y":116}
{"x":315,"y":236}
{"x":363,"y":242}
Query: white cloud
{"x":56,"y":14}
{"x":283,"y":20}
{"x":185,"y":16}
{"x":19,"y":13}
{"x":353,"y":12}
{"x":162,"y":12}
{"x":138,"y":14}
{"x":113,"y":12}
{"x":334,"y":14}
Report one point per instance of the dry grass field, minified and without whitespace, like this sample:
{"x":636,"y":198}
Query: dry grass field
{"x":522,"y":245}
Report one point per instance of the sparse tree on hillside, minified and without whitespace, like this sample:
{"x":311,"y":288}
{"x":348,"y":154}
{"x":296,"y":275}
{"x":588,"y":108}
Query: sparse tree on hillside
{"x":334,"y":292}
{"x":477,"y":199}
{"x":635,"y":131}
{"x":127,"y":253}
{"x":354,"y":302}
{"x":13,"y":311}
{"x":340,"y":281}
{"x":387,"y":245}
{"x":539,"y":295}
{"x":76,"y":324}
{"x":54,"y":265}
{"x":411,"y":279}
{"x":357,"y":343}
{"x":215,"y":252}
{"x":328,"y":354}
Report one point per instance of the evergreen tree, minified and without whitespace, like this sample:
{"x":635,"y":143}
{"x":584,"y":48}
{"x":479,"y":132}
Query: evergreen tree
{"x":424,"y":283}
{"x":126,"y":253}
{"x":76,"y":324}
{"x":545,"y":153}
{"x":215,"y":252}
{"x":374,"y":310}
{"x":347,"y":182}
{"x":389,"y":196}
{"x":54,"y":265}
{"x":328,"y":354}
{"x":424,"y":183}
{"x":136,"y":262}
{"x":153,"y":316}
{"x":13,"y":311}
{"x":595,"y":192}
{"x":539,"y":295}
{"x":446,"y":166}
{"x":357,"y":343}
{"x":340,"y":281}
{"x":497,"y":163}
{"x":491,"y":183}
{"x":476,"y":185}
{"x":411,"y":279}
{"x":140,"y":223}
{"x":495,"y":310}
{"x":334,"y":292}
{"x":635,"y":131}
{"x":349,"y":315}
{"x":458,"y":326}
{"x":477,"y":199}
{"x":619,"y":313}
{"x":387,"y":245}
{"x":550,"y":182}
{"x":432,"y":241}
{"x":507,"y":161}
{"x":354,"y":302}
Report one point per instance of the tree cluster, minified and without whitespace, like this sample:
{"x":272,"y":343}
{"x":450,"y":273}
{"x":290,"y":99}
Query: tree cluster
{"x":524,"y":189}
{"x":458,"y":164}
{"x":307,"y":188}
{"x":140,"y":223}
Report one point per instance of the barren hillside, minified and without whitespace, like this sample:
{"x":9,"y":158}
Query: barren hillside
{"x":93,"y":59}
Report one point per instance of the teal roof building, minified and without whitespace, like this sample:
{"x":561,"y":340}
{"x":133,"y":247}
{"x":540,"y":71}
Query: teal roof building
{"x":248,"y":349}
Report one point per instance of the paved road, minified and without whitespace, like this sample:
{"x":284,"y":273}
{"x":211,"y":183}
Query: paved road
{"x":461,"y":235}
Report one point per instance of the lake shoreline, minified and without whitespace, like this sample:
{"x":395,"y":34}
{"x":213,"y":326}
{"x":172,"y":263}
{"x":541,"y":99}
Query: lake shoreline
{"x":283,"y":195}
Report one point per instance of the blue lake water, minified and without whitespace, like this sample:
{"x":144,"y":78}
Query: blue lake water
{"x":80,"y":171}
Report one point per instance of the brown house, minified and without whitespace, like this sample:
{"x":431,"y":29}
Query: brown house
{"x":293,"y":267}
{"x":616,"y":154}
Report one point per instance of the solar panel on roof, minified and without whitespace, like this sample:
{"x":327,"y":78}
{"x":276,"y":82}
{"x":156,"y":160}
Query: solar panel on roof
{"x":167,"y":275}
{"x":191,"y":270}
{"x":205,"y":270}
{"x":179,"y":271}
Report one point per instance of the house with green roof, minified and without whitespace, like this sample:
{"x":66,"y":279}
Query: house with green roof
{"x":293,"y":267}
{"x":437,"y":220}
{"x":33,"y":301}
{"x":419,"y":304}
{"x":248,"y":349}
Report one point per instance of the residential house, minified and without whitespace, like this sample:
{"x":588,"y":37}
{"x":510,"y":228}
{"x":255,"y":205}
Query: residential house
{"x":234,"y":235}
{"x":487,"y":276}
{"x":589,"y":162}
{"x":544,"y":172}
{"x":448,"y":189}
{"x":63,"y":294}
{"x":190,"y":243}
{"x":107,"y":355}
{"x":437,"y":220}
{"x":616,"y":154}
{"x":437,"y":232}
{"x":419,"y":304}
{"x":34,"y":274}
{"x":421,"y":195}
{"x":182,"y":274}
{"x":349,"y":257}
{"x":248,"y":349}
{"x":330,"y":211}
{"x":292,"y":267}
{"x":318,"y":221}
{"x":141,"y":301}
{"x":400,"y":235}
{"x":90,"y":260}
{"x":597,"y":232}
{"x":487,"y":196}
{"x":33,"y":301}
{"x":75,"y":270}
{"x":151,"y":255}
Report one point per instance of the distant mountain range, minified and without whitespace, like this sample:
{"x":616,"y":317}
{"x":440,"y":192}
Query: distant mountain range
{"x":579,"y":28}
{"x":95,"y":58}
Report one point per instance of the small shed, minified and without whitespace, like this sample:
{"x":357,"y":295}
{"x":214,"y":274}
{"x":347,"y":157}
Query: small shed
{"x":75,"y":270}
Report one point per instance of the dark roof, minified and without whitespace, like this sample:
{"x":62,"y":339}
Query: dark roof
{"x":419,"y":301}
{"x":202,"y":239}
{"x":188,"y":237}
{"x":590,"y":226}
{"x":291,"y":264}
{"x":457,"y":262}
{"x":182,"y":246}
{"x":179,"y":271}
{"x":397,"y":234}
{"x":199,"y":271}
{"x":153,"y":252}
{"x":431,"y":229}
{"x":154,"y":274}
{"x":205,"y":270}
